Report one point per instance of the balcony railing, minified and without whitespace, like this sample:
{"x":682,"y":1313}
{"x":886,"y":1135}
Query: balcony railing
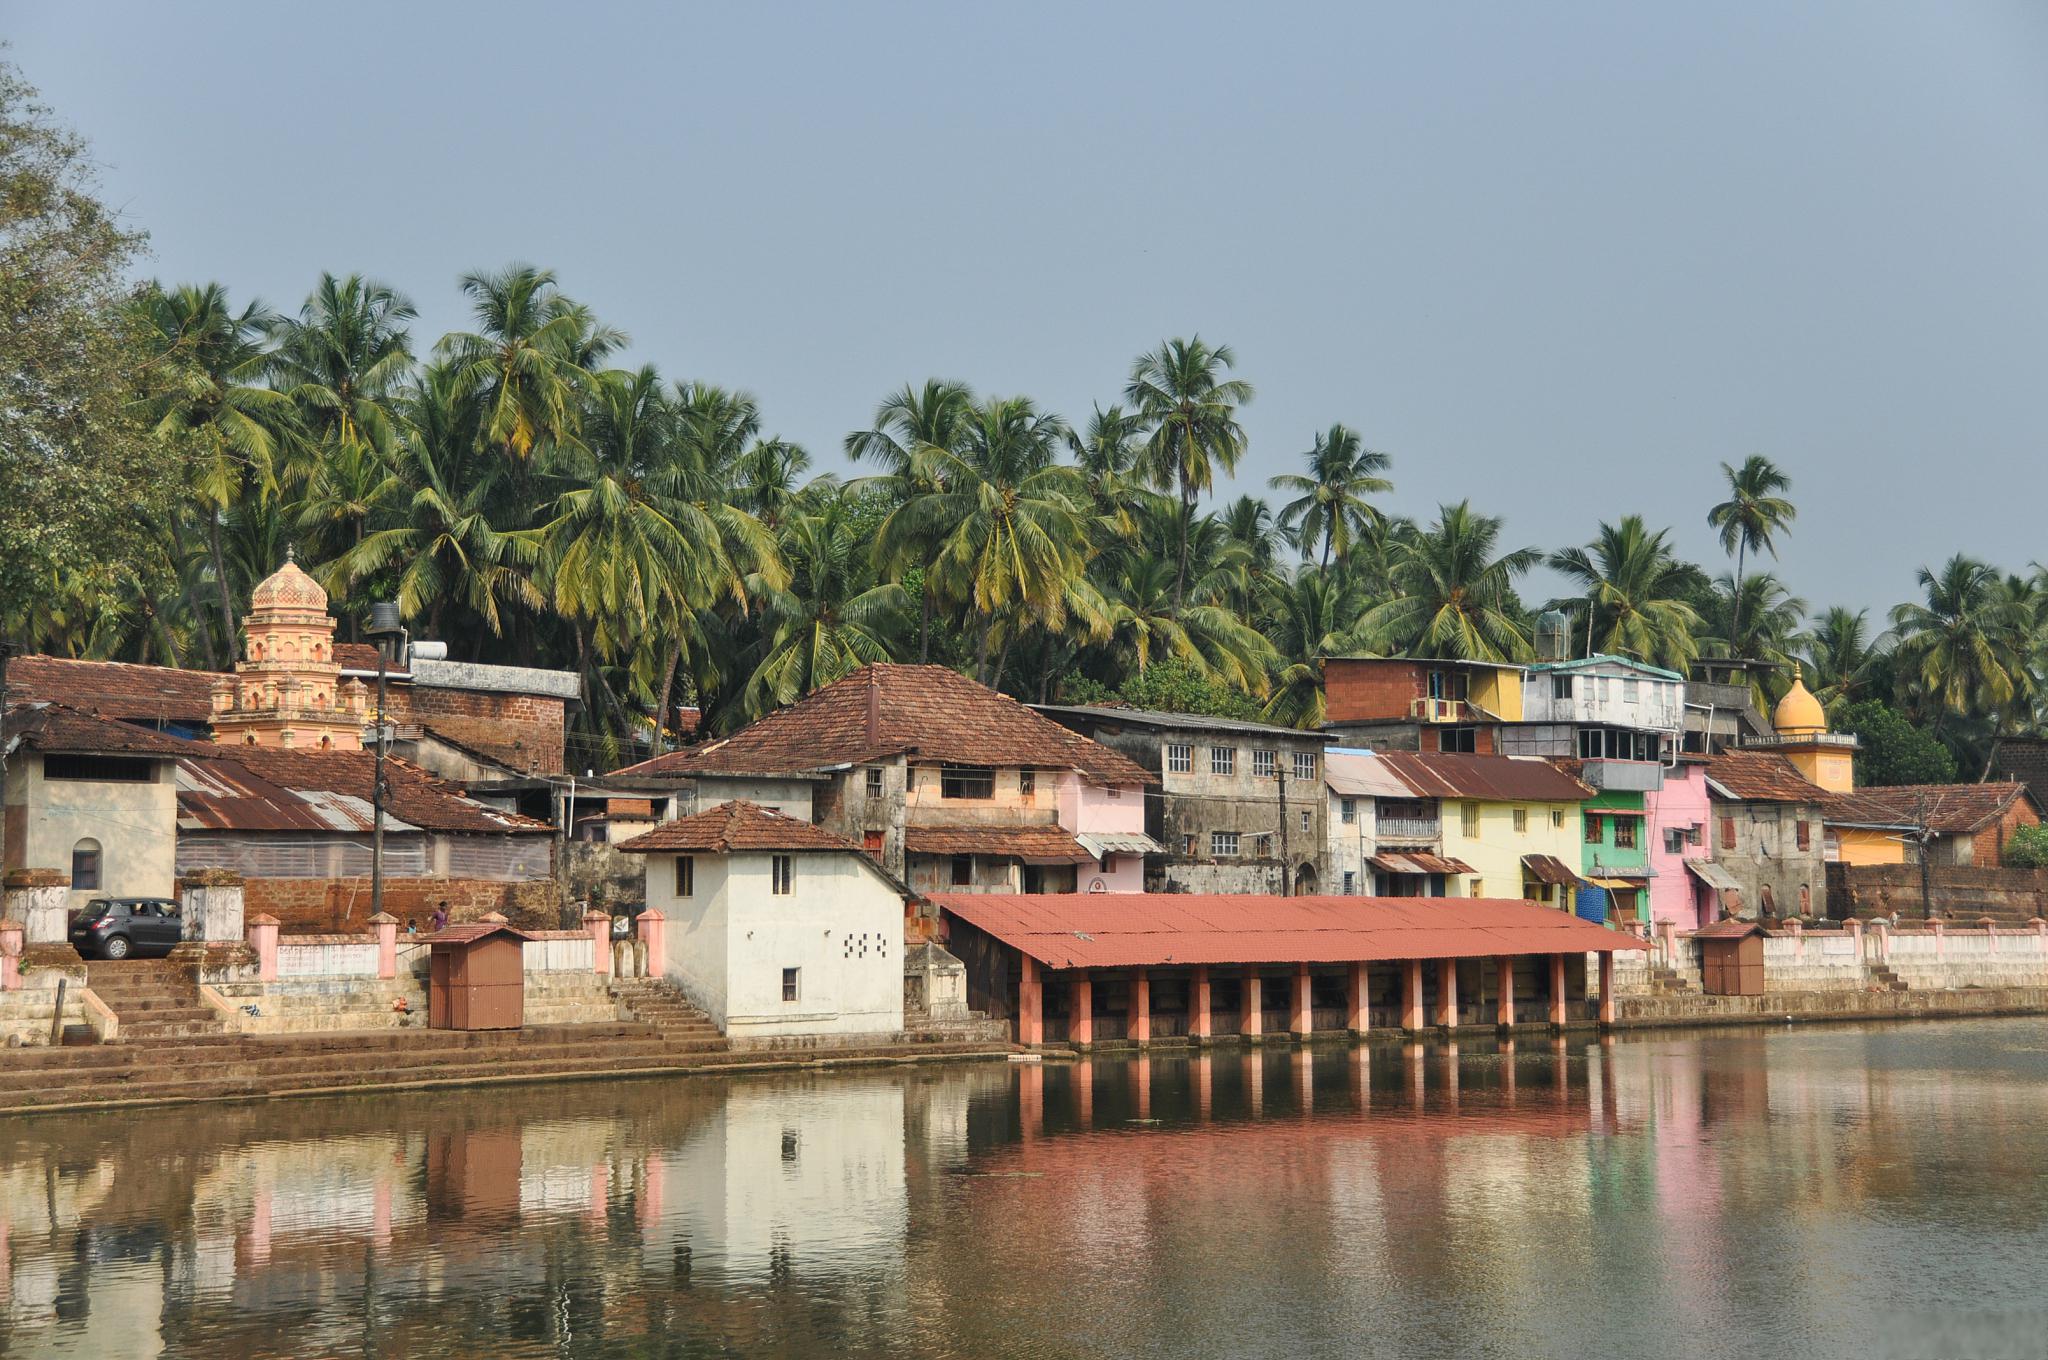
{"x":1407,"y":828}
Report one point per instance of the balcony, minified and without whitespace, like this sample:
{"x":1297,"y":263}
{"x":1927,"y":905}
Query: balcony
{"x":1441,"y":710}
{"x":1407,"y":828}
{"x":1624,"y":776}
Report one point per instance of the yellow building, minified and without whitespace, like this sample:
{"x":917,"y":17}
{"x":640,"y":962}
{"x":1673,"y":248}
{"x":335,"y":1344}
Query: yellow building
{"x":1825,"y":758}
{"x":1514,"y":821}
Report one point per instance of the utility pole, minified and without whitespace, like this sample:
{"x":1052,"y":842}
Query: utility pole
{"x":1286,"y":861}
{"x":385,"y":631}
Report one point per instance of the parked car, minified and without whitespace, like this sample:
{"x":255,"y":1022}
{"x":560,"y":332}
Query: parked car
{"x":117,"y":927}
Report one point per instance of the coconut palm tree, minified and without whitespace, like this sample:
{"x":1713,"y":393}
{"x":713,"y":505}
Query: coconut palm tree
{"x":1145,"y":627}
{"x":1633,"y":581}
{"x":1190,"y":411}
{"x":835,"y":617}
{"x":205,"y":365}
{"x":1755,"y":513}
{"x":342,"y":361}
{"x":908,"y":424}
{"x":1965,"y":647}
{"x":1311,"y":617}
{"x":1330,"y":503}
{"x":1457,"y":592}
{"x":1842,"y":657}
{"x":526,"y":358}
{"x":1758,"y":619}
{"x":1008,"y":520}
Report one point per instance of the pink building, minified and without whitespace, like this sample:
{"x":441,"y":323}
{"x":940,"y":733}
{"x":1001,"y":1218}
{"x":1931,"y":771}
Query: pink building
{"x":1109,"y":822}
{"x":1677,"y":816}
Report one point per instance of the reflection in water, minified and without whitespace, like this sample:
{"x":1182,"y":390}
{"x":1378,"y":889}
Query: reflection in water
{"x":1847,"y":1191}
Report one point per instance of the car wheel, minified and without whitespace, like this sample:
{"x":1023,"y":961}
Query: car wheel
{"x":115,"y":948}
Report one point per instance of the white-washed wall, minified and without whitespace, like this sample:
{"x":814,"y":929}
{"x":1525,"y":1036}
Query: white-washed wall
{"x":561,"y":952}
{"x":1837,"y":960}
{"x":326,"y":956}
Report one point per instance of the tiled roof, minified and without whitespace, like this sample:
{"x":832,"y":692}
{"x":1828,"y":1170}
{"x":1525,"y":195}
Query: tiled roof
{"x":888,"y":709}
{"x":1728,"y":928}
{"x":1112,"y":930}
{"x":362,"y":657}
{"x":54,"y":727}
{"x":1032,"y":844}
{"x":1499,"y":779}
{"x":1949,"y":809}
{"x":1762,"y":776}
{"x":114,"y":689}
{"x":738,"y":825}
{"x":1196,"y":722}
{"x":255,"y":788}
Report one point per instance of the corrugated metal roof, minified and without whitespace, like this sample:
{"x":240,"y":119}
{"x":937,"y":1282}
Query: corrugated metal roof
{"x":1417,"y":862}
{"x":1199,"y":722}
{"x":1100,"y":843}
{"x":1498,"y":779}
{"x":1713,"y":875}
{"x":1549,"y":869}
{"x":1352,"y":774}
{"x":1120,"y":930}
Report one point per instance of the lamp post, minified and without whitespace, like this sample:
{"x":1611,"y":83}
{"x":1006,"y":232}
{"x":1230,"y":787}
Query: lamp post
{"x":388,"y":634}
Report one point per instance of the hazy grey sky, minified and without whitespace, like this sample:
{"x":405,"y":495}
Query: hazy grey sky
{"x":1560,"y":259}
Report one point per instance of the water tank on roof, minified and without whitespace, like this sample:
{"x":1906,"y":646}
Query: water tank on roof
{"x":430,"y":651}
{"x":1554,"y":636}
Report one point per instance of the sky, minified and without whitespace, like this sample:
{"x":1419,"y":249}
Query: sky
{"x":1562,"y":260}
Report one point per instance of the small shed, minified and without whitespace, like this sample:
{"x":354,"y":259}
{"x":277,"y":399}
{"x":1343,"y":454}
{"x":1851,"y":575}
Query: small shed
{"x":476,"y":976}
{"x":1731,"y":958}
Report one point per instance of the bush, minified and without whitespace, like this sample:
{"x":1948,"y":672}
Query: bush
{"x":2027,"y":848}
{"x":1168,"y":686}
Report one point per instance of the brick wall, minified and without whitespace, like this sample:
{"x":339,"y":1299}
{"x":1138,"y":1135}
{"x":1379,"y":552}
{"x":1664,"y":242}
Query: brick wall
{"x":312,"y":906}
{"x":1990,"y":846}
{"x":524,"y":731}
{"x":1962,"y":893}
{"x":1363,"y":690}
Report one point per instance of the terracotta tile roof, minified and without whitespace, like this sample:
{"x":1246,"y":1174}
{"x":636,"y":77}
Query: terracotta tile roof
{"x":54,"y":727}
{"x":1499,"y":779}
{"x":1762,"y":776}
{"x":738,"y":825}
{"x":889,"y":709}
{"x":1728,"y":928}
{"x":1111,"y":930}
{"x":1033,"y":844}
{"x":254,"y":788}
{"x":1949,"y":809}
{"x":472,"y":930}
{"x":362,"y":656}
{"x":114,"y":689}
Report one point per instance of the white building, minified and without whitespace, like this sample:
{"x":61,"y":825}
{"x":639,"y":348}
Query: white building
{"x":776,"y":929}
{"x":1356,"y":781}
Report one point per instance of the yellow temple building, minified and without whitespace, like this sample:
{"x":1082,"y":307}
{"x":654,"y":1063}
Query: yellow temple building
{"x":287,"y":692}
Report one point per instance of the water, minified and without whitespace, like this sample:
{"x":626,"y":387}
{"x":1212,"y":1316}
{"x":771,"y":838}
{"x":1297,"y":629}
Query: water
{"x":1874,"y":1191}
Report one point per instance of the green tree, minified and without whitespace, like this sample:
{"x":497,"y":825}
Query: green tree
{"x":1892,"y":750}
{"x":836,"y":615}
{"x":1635,"y":586}
{"x":1964,"y":648}
{"x":526,"y":358}
{"x":1331,"y":502}
{"x":1754,"y":514}
{"x":1457,"y":592}
{"x":909,"y":428}
{"x":1190,"y":410}
{"x":1843,"y":658}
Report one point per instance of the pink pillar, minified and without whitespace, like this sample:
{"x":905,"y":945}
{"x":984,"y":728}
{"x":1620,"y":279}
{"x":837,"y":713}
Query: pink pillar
{"x":262,"y":930}
{"x":1143,"y":1077}
{"x":1940,"y":929}
{"x":1141,"y":1007}
{"x":1990,"y":932}
{"x":2039,"y":925}
{"x":1198,"y":1003}
{"x":11,"y":935}
{"x":1252,"y":1022}
{"x":1411,"y":995}
{"x":1853,"y":928}
{"x":1557,"y":1016}
{"x":599,"y":926}
{"x":1355,"y":1000}
{"x":1883,"y":931}
{"x":1081,"y":1009}
{"x":1084,"y":1093}
{"x":1304,"y":1013}
{"x":1607,"y":986}
{"x":385,"y":926}
{"x":1504,"y":1005}
{"x":1667,"y":940}
{"x":1447,"y":993}
{"x":654,"y":932}
{"x":1798,"y":933}
{"x":1030,"y":1003}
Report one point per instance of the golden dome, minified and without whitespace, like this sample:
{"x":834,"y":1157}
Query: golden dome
{"x":288,"y":588}
{"x":1799,"y":714}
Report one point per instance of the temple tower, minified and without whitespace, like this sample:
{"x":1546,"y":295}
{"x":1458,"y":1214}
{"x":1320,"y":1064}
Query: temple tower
{"x":286,"y":692}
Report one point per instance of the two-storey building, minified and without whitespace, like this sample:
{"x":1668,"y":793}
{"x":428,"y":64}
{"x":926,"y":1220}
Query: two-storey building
{"x":1768,"y":843}
{"x":1241,"y":805}
{"x":1399,"y":703}
{"x":1509,"y":824}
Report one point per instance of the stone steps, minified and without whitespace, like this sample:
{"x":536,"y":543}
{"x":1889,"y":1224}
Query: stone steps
{"x":655,"y":1003}
{"x":153,"y":1000}
{"x":1887,"y":979}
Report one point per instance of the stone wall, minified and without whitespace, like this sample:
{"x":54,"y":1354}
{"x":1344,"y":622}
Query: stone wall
{"x":1850,"y":960}
{"x":602,"y":875}
{"x":524,"y":731}
{"x":1962,"y":893}
{"x":325,"y":905}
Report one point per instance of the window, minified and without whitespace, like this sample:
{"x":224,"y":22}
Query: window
{"x":1308,"y":820}
{"x":1263,"y":847}
{"x":686,"y":876}
{"x":1449,"y":685}
{"x":1222,"y":843}
{"x":874,"y":783}
{"x":1600,"y":686}
{"x":1458,"y":740}
{"x":1180,"y":757}
{"x":85,"y":866}
{"x":1560,"y":687}
{"x":1478,"y":888}
{"x":1803,"y":834}
{"x":1187,"y":846}
{"x":967,"y":781}
{"x":1265,"y":764}
{"x":1695,"y":834}
{"x":1674,"y":840}
{"x":1629,"y":694}
{"x":963,"y":871}
{"x":1304,"y":764}
{"x":1348,"y":810}
{"x":1350,"y":883}
{"x":1027,"y":783}
{"x":1557,"y":817}
{"x":1727,"y":833}
{"x":1116,"y":791}
{"x":1521,"y":821}
{"x":1222,"y":760}
{"x":1625,"y":832}
{"x":781,"y":874}
{"x":791,"y":983}
{"x":98,"y":769}
{"x":1468,"y":818}
{"x":1593,"y":828}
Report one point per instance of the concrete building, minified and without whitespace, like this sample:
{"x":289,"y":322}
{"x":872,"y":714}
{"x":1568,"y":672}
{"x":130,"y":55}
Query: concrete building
{"x":775,"y":928}
{"x":946,"y":783}
{"x":95,"y":801}
{"x":1241,"y":808}
{"x":1768,"y":844}
{"x":1408,"y":704}
{"x":1510,"y":824}
{"x":1677,"y":819}
{"x":1959,"y":824}
{"x":1356,"y":780}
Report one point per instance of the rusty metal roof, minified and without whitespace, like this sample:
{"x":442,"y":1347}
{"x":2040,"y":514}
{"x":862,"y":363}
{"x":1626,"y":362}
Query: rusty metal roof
{"x":252,"y":788}
{"x":1550,"y":869}
{"x":1361,"y":774}
{"x":1417,"y":862}
{"x":1121,"y":930}
{"x":1497,"y":779}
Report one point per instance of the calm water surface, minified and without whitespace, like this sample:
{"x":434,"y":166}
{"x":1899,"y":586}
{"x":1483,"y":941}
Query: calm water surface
{"x":1877,"y":1191}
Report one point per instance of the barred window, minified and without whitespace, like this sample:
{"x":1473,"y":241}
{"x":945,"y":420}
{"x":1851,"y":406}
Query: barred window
{"x":1180,"y":757}
{"x":1265,"y":764}
{"x":1304,"y":764}
{"x":1222,"y":760}
{"x":1222,"y":844}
